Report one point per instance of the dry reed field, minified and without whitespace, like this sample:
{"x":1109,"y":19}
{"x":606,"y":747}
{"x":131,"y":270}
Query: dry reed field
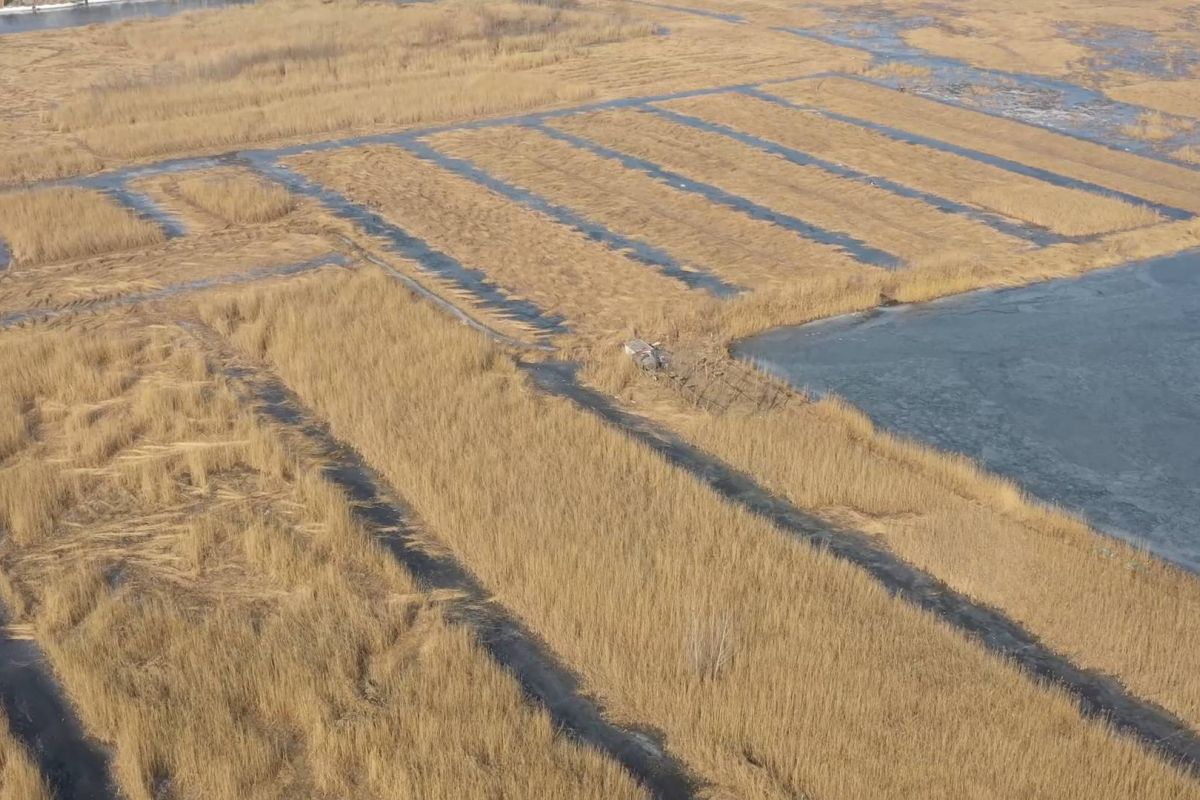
{"x":520,"y":249}
{"x":217,"y":616}
{"x":773,"y":670}
{"x":739,"y":249}
{"x":60,"y":224}
{"x":910,"y":227}
{"x":224,"y":623}
{"x":1026,"y":144}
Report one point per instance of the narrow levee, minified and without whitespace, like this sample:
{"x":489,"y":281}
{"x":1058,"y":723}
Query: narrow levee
{"x":1098,"y":695}
{"x":41,"y":718}
{"x":543,"y":677}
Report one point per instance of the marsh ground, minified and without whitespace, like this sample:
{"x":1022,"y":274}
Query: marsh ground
{"x":311,"y":187}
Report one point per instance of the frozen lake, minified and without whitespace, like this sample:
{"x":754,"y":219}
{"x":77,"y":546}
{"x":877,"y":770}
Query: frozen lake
{"x":1084,"y":391}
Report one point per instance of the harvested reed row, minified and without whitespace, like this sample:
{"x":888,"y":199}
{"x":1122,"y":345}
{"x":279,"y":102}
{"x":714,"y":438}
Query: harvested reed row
{"x":771,"y":668}
{"x":59,"y":224}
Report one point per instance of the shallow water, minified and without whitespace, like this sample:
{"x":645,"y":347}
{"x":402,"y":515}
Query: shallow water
{"x":92,"y":15}
{"x":1086,"y":391}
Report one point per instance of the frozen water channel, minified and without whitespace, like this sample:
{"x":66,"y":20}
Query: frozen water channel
{"x":1084,"y":391}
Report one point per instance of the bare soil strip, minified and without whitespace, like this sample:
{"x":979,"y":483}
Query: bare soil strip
{"x":542,"y":676}
{"x":1098,"y":696}
{"x":73,"y":766}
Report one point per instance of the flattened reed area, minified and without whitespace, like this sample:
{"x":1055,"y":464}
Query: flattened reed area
{"x":212,"y":608}
{"x":771,"y":669}
{"x":58,"y":224}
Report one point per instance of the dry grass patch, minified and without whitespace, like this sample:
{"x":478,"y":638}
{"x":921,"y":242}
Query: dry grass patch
{"x":772,"y":669}
{"x":1026,"y":144}
{"x":20,"y":778}
{"x":215,"y":613}
{"x":1067,"y":211}
{"x":1154,"y":126}
{"x":1094,"y":599}
{"x":738,"y":248}
{"x":59,"y":224}
{"x":235,"y":197}
{"x":272,"y":70}
{"x":519,"y":249}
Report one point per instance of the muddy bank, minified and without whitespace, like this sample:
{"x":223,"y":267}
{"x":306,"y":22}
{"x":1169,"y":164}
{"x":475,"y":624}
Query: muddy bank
{"x":73,"y":766}
{"x":1085,"y":391}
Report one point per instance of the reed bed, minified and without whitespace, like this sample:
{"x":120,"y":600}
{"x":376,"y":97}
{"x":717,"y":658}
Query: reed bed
{"x":1103,"y":604}
{"x":235,"y":197}
{"x":521,"y":250}
{"x":58,"y":224}
{"x":1026,"y":144}
{"x":914,"y":226}
{"x":19,"y":776}
{"x":772,"y":669}
{"x":738,"y":248}
{"x":277,"y":70}
{"x":1168,"y":97}
{"x":215,"y":613}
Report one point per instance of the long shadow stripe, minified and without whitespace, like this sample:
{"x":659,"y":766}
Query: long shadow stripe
{"x":634,"y":249}
{"x":1039,"y":236}
{"x":73,"y":766}
{"x":472,"y":281}
{"x":145,"y":207}
{"x":975,"y":155}
{"x":1098,"y":696}
{"x":855,"y":247}
{"x":544,"y":679}
{"x":13,"y":318}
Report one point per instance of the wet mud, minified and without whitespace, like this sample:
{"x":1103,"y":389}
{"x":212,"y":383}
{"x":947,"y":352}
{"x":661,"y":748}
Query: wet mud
{"x":543,"y":678}
{"x":146,"y":208}
{"x":74,"y":766}
{"x":1098,"y":695}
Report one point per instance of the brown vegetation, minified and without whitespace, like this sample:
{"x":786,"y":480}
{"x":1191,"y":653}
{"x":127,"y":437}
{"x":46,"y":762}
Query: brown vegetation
{"x":1067,"y":211}
{"x":1151,"y":180}
{"x":235,"y":197}
{"x":253,"y":73}
{"x":772,"y":669}
{"x":215,"y":613}
{"x":60,"y":224}
{"x":519,"y":249}
{"x":738,"y":248}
